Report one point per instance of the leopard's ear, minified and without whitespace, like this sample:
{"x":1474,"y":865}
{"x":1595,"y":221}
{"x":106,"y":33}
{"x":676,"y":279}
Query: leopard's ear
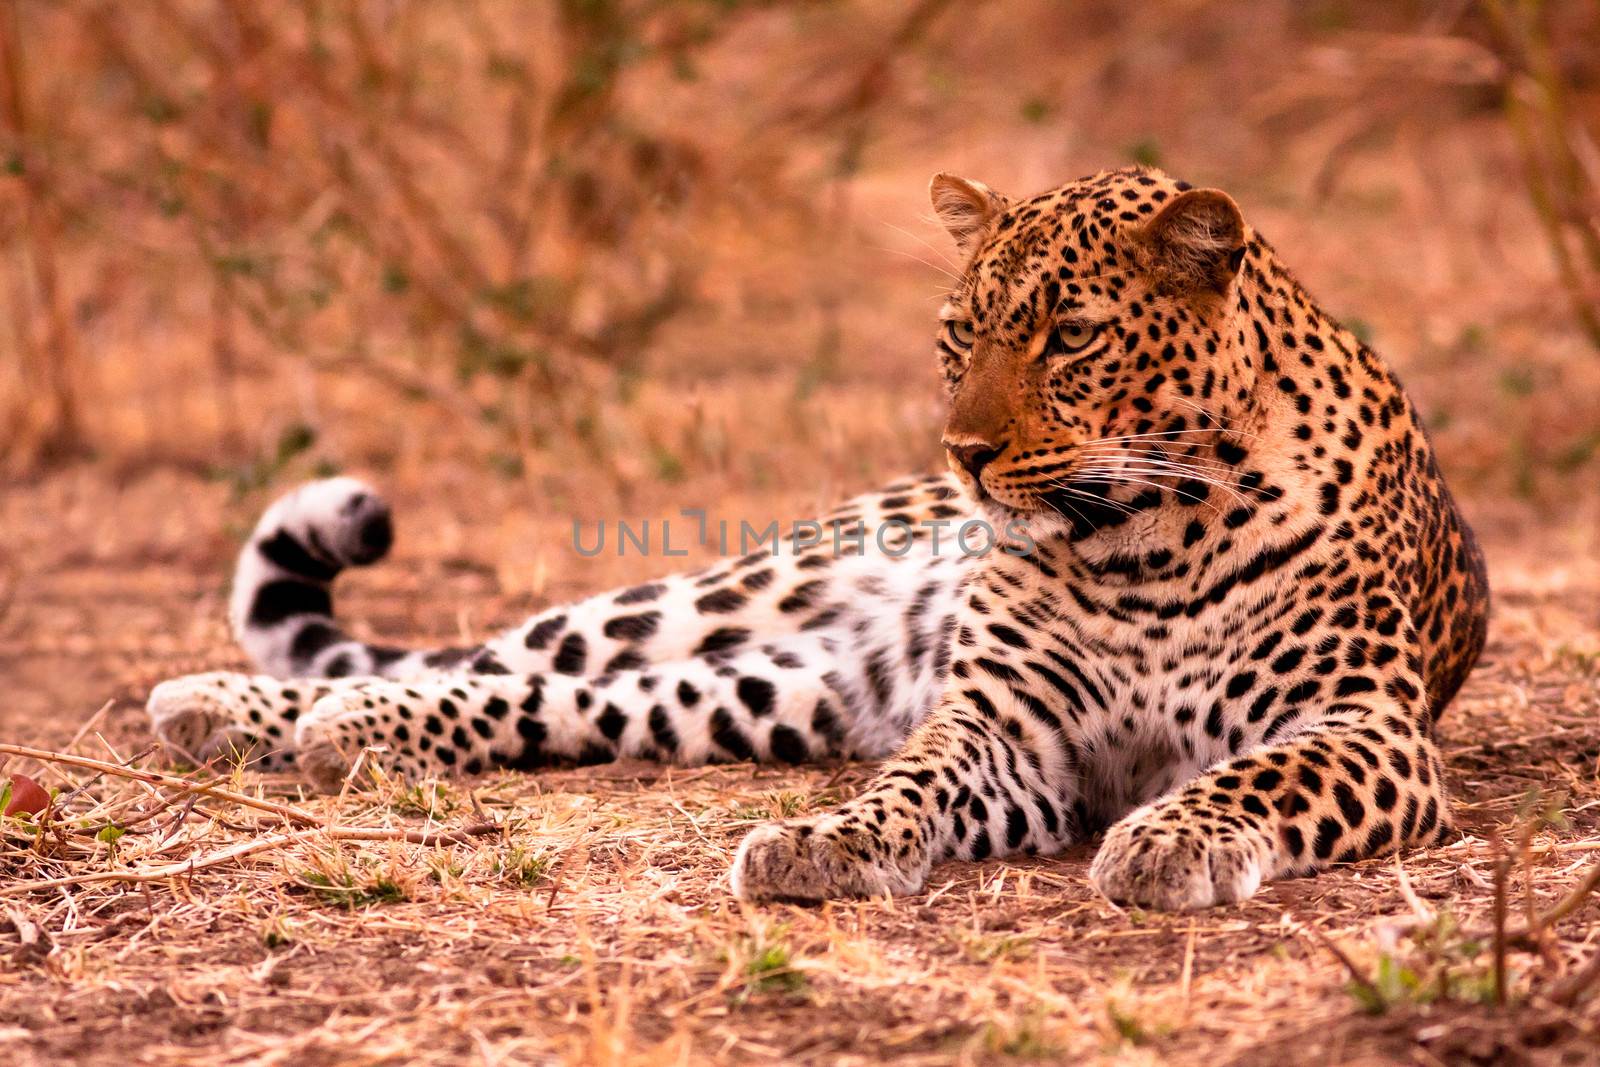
{"x":965,"y":207}
{"x":1196,"y":242}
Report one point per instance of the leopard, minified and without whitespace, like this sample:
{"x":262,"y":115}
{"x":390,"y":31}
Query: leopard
{"x":1224,"y":597}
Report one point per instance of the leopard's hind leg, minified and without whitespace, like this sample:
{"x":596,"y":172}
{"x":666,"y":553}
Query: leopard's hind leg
{"x":782,"y":702}
{"x":227,"y":715}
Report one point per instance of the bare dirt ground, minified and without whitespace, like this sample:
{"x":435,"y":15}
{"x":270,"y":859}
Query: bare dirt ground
{"x":592,"y":923}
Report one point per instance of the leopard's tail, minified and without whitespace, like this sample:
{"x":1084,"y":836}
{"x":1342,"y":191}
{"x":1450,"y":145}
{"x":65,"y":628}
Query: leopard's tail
{"x":282,"y":602}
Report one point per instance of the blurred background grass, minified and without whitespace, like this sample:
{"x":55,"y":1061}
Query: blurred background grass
{"x":522,"y":261}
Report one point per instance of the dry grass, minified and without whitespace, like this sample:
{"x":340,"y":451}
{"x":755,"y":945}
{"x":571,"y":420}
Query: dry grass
{"x":582,"y":915}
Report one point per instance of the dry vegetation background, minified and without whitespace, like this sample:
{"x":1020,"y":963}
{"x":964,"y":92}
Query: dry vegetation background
{"x":520,"y":262}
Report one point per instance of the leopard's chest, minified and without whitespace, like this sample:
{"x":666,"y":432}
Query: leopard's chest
{"x":1168,"y":695}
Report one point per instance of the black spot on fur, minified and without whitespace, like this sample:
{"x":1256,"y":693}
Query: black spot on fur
{"x":722,"y":639}
{"x":1016,"y":827}
{"x":612,"y":722}
{"x":572,"y":655}
{"x":312,"y":639}
{"x":533,"y":734}
{"x":757,"y":694}
{"x":804,"y":595}
{"x":729,"y":737}
{"x":444,"y":658}
{"x":1352,"y":809}
{"x":1328,"y":831}
{"x":721,"y":602}
{"x":627,"y":660}
{"x":542,"y":632}
{"x":641,"y":594}
{"x":632,"y":627}
{"x":487,"y":662}
{"x":285,"y":598}
{"x":284,"y":550}
{"x":787,"y":744}
{"x":661,"y":731}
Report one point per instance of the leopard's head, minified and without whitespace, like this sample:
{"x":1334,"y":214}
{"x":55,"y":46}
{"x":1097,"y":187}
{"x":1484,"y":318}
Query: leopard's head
{"x":1095,"y":341}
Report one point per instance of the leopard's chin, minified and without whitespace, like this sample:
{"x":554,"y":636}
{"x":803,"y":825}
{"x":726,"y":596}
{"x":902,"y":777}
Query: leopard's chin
{"x":1018,"y":528}
{"x":997,"y":509}
{"x":1074,"y":512}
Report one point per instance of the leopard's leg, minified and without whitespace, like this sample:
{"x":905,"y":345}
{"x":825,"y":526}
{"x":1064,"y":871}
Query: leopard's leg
{"x":282,"y":613}
{"x":785,"y":702}
{"x":1364,"y":780}
{"x":990,"y":772}
{"x":233,"y":716}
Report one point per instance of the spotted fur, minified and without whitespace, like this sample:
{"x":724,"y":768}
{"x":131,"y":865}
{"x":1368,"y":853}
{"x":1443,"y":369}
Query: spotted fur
{"x":1246,"y":596}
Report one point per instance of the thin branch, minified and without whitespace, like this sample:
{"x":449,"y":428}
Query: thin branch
{"x":294,"y":815}
{"x":259,"y":844}
{"x":1502,"y":874}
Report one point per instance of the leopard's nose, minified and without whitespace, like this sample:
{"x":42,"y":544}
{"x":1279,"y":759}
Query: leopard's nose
{"x":974,"y":457}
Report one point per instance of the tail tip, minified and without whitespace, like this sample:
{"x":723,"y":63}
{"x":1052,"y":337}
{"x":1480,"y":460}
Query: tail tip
{"x":371,"y":529}
{"x":347,"y":518}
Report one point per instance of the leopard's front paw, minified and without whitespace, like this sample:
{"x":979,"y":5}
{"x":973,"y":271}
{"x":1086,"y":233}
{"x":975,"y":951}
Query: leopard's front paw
{"x":809,"y":862}
{"x":1167,"y":865}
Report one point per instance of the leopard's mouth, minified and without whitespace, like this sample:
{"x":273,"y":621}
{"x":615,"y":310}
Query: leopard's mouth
{"x":1084,"y":504}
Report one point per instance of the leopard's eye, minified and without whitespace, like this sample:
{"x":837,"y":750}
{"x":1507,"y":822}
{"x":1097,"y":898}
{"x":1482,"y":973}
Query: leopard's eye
{"x":1069,"y":338}
{"x":958,"y":334}
{"x":1075,"y":336}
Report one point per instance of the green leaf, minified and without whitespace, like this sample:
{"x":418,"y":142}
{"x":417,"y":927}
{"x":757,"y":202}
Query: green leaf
{"x":1146,"y":152}
{"x":295,"y":439}
{"x":395,"y":278}
{"x":261,"y":123}
{"x":1035,"y":110}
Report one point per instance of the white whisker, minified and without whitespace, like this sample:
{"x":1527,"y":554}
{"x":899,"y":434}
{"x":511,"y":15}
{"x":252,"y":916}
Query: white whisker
{"x":929,"y":245}
{"x":1118,"y":478}
{"x":952,"y":275}
{"x":1231,"y":489}
{"x":1213,"y":416}
{"x":1106,"y":501}
{"x":1179,"y":470}
{"x":1157,"y":455}
{"x":1168,"y":434}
